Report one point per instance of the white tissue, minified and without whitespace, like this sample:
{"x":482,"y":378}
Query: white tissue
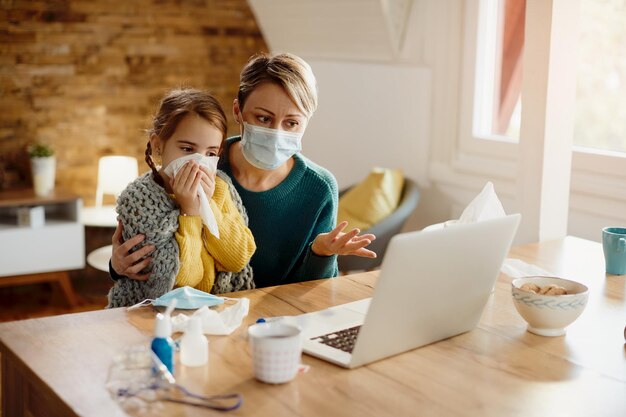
{"x":518,"y":269}
{"x":210,"y":162}
{"x":213,"y":322}
{"x":484,"y":206}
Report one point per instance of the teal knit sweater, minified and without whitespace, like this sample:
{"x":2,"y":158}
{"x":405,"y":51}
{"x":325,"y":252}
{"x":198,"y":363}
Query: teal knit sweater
{"x":286,"y":219}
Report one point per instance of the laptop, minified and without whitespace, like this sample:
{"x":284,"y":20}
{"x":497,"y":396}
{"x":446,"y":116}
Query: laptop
{"x":432,"y":285}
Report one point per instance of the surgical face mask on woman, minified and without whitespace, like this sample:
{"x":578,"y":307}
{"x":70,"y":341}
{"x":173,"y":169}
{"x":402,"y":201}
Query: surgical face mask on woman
{"x":267,"y":148}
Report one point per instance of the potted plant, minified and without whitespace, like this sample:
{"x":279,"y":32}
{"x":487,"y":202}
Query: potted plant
{"x":43,"y":168}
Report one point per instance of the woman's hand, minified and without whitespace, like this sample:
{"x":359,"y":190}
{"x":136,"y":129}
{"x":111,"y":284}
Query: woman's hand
{"x":126,"y":263}
{"x":185,"y":186}
{"x":336,"y":242}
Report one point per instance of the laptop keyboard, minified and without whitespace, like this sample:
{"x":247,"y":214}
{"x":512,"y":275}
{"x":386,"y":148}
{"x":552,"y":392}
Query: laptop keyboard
{"x":342,"y":339}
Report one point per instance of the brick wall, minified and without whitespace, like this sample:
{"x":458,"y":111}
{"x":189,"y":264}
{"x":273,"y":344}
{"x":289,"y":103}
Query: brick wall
{"x":86,"y":75}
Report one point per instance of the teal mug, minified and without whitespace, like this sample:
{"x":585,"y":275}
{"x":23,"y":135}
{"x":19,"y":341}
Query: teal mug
{"x":614,"y":245}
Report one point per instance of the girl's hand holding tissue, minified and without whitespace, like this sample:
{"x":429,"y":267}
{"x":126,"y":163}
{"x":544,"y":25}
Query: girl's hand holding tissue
{"x":208,"y":182}
{"x":185,"y":186}
{"x":190,"y":172}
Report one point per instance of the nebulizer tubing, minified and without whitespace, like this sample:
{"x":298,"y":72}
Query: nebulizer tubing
{"x":213,"y":402}
{"x":164,"y":381}
{"x":159,"y":381}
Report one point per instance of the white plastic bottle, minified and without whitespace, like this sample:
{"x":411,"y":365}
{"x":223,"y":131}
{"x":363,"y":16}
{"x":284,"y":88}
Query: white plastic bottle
{"x":194,"y":346}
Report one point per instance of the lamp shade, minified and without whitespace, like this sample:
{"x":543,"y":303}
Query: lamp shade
{"x":114,"y":174}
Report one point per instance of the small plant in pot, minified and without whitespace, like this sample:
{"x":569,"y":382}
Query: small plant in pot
{"x":43,"y":168}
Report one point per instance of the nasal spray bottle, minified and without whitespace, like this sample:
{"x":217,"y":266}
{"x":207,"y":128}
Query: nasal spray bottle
{"x":194,"y":347}
{"x":162,"y":344}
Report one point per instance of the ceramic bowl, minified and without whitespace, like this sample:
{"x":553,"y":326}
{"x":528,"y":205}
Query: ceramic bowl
{"x":549,"y":315}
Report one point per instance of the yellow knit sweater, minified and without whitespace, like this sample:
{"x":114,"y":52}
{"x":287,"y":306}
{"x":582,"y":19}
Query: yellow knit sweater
{"x":202,"y":254}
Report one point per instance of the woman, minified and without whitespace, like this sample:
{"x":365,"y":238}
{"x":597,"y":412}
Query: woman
{"x":291,"y":201}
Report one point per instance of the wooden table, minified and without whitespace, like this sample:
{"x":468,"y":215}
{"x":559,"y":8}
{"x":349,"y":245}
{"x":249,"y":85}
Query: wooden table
{"x":58,"y":366}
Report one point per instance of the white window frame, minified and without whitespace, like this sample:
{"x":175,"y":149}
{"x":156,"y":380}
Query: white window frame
{"x":492,"y":153}
{"x":596,"y":173}
{"x":600,"y":174}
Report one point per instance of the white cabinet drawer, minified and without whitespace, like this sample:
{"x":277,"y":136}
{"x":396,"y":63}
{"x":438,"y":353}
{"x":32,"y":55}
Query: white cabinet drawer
{"x":57,"y":246}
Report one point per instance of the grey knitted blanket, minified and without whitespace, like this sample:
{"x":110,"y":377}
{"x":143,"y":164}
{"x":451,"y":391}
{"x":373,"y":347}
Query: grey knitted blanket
{"x":145,"y":207}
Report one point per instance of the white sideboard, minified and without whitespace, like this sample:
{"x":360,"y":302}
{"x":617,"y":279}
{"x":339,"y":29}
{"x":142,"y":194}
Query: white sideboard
{"x":57,"y":245}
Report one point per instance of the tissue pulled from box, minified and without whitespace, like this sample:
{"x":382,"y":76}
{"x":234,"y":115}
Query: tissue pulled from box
{"x":484,"y":206}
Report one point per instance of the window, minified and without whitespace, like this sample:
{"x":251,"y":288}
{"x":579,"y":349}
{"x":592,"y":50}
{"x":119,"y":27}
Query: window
{"x":601,"y":78}
{"x":601,"y":74}
{"x":499,"y":69}
{"x":482,"y":150}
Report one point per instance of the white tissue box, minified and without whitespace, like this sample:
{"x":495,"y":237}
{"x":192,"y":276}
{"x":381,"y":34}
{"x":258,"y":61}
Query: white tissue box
{"x":31,"y":216}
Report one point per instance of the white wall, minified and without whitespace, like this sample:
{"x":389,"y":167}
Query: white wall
{"x":370,"y":115}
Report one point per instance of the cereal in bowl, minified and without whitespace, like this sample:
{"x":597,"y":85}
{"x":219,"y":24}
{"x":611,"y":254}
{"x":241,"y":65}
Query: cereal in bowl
{"x":553,"y":289}
{"x":550,"y":289}
{"x":530,"y":287}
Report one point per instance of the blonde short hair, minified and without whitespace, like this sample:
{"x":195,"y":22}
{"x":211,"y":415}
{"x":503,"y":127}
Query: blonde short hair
{"x":289,"y":71}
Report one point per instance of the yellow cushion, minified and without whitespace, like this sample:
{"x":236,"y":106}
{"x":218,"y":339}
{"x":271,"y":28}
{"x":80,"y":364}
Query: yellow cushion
{"x":372,"y":200}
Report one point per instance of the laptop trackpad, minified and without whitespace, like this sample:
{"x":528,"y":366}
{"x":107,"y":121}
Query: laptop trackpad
{"x":334,"y":318}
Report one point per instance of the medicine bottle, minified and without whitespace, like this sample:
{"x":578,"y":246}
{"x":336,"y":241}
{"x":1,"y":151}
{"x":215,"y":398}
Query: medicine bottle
{"x":194,"y":346}
{"x":162,"y":344}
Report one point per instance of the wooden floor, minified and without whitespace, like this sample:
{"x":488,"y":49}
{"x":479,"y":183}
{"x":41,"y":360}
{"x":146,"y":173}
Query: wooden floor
{"x":46,"y":299}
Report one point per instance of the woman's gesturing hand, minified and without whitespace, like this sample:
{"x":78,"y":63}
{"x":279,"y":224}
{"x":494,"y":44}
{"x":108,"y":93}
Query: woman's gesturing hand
{"x":336,"y":242}
{"x":126,"y":263}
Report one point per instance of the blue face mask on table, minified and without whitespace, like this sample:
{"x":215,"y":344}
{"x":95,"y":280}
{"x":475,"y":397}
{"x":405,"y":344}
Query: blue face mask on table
{"x":267,"y":148}
{"x":187,"y":298}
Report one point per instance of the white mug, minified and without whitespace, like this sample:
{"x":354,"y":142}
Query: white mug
{"x":276,"y":349}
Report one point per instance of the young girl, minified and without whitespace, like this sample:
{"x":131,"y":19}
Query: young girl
{"x":166,"y":210}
